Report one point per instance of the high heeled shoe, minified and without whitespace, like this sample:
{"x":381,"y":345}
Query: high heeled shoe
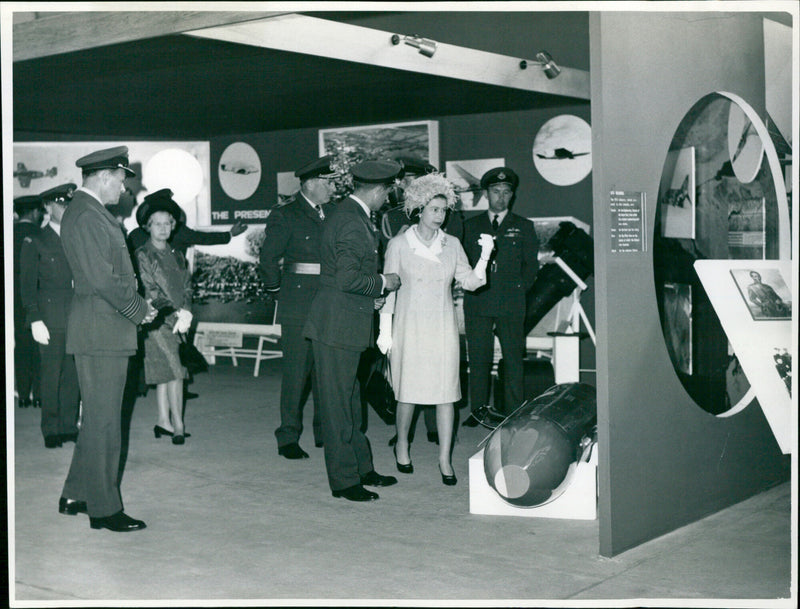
{"x":403,"y":468}
{"x":159,"y":431}
{"x":450,"y":480}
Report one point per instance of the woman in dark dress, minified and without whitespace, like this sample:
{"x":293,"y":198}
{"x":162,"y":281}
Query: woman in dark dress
{"x":166,"y":281}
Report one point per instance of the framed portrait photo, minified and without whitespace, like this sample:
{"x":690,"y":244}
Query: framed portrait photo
{"x":765,"y":293}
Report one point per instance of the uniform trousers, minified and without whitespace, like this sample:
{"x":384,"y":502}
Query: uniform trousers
{"x":480,"y":349}
{"x":347,"y":452}
{"x":93,"y":473}
{"x":60,"y":395}
{"x":27,"y":364}
{"x":298,"y":363}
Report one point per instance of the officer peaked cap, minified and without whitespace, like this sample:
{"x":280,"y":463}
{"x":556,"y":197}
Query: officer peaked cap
{"x":319,"y":168}
{"x":500,"y":175}
{"x":108,"y":158}
{"x":413,"y":165}
{"x":376,"y":172}
{"x":26,"y":203}
{"x":59,"y":194}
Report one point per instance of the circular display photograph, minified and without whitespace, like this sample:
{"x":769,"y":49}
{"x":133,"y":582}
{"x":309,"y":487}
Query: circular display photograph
{"x":177,"y":170}
{"x":239,"y":171}
{"x":744,"y":145}
{"x":562,"y":150}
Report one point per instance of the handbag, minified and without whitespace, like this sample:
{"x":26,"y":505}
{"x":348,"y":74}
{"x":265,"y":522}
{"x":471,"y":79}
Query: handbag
{"x":191,"y":357}
{"x":378,"y":390}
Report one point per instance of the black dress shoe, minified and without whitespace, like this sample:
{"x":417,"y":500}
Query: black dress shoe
{"x":475,"y":417}
{"x":69,"y":437}
{"x":52,"y":441}
{"x":373,"y":478}
{"x":24,"y":402}
{"x":356,"y":493}
{"x":190,"y":395}
{"x":37,"y":403}
{"x":433,"y":437}
{"x":318,"y":443}
{"x":71,"y":507}
{"x":450,"y":480}
{"x":179,"y":439}
{"x":119,"y":523}
{"x":292,"y":451}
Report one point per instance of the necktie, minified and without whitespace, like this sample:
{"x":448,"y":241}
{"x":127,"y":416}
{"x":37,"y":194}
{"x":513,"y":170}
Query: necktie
{"x":495,"y":224}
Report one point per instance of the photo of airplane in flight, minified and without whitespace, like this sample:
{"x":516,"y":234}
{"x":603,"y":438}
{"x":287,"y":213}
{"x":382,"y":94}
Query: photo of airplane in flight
{"x":562,"y":153}
{"x":241,"y":170}
{"x":25,"y":175}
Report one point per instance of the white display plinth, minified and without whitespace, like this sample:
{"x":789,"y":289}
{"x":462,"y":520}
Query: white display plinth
{"x":577,"y":502}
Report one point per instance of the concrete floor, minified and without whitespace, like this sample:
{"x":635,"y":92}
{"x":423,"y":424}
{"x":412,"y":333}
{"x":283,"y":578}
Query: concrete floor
{"x":227,"y":518}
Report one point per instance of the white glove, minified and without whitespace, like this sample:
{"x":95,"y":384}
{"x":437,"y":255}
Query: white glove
{"x":384,"y":341}
{"x":486,"y":242}
{"x":40,"y":332}
{"x":183,"y":323}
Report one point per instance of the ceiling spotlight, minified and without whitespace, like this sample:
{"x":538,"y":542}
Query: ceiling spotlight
{"x":544,"y":59}
{"x":424,"y":45}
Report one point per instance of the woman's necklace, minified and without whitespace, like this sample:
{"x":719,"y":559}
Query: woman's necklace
{"x":423,"y":239}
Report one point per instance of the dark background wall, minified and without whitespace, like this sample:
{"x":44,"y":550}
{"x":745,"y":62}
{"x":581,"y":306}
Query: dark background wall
{"x":664,"y":462}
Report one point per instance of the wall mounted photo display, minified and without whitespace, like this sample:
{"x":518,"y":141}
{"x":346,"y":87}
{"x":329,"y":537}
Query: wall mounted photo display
{"x":677,"y":194}
{"x":562,"y":150}
{"x":764,"y":292}
{"x":239,"y":171}
{"x":747,"y":228}
{"x":466,"y":179}
{"x":678,"y":325}
{"x":754,"y":344}
{"x":744,"y":145}
{"x":379,"y":142}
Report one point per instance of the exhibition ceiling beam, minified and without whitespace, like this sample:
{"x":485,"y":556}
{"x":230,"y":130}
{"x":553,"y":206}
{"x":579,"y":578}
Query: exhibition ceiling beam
{"x":313,"y":36}
{"x":73,"y":31}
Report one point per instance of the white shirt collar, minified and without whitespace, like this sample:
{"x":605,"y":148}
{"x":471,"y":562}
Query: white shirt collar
{"x":363,"y":205}
{"x":500,"y":216}
{"x":56,"y":227}
{"x":90,"y":192}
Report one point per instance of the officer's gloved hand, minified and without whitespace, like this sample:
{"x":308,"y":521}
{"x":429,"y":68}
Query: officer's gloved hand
{"x":40,"y":332}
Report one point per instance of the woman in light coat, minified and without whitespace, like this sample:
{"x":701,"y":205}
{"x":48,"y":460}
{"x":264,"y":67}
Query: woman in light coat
{"x":418,"y":322}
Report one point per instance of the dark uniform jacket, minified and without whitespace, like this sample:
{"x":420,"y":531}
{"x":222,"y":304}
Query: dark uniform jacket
{"x":293,"y":233}
{"x":512,"y":267}
{"x":106,"y":307}
{"x":22,"y":230}
{"x":45,"y":280}
{"x":342,"y":312}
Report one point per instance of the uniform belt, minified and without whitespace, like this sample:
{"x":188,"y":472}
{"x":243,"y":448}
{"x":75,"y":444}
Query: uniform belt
{"x":303,"y":268}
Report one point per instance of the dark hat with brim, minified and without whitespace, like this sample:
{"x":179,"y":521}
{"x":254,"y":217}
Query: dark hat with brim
{"x":108,"y":158}
{"x":320,"y":168}
{"x":376,"y":172}
{"x":161,"y":200}
{"x":26,"y":203}
{"x":500,"y":175}
{"x":60,"y":194}
{"x":416,"y":166}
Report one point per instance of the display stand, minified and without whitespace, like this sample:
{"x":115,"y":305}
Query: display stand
{"x":577,"y":502}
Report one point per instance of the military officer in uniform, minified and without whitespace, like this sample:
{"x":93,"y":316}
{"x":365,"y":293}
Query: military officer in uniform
{"x":292,"y":234}
{"x":499,"y":306}
{"x":101,"y":333}
{"x":46,"y":290}
{"x":28,"y":209}
{"x":340,"y":326}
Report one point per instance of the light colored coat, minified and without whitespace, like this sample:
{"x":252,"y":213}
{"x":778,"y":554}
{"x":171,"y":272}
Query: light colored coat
{"x":425,"y":353}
